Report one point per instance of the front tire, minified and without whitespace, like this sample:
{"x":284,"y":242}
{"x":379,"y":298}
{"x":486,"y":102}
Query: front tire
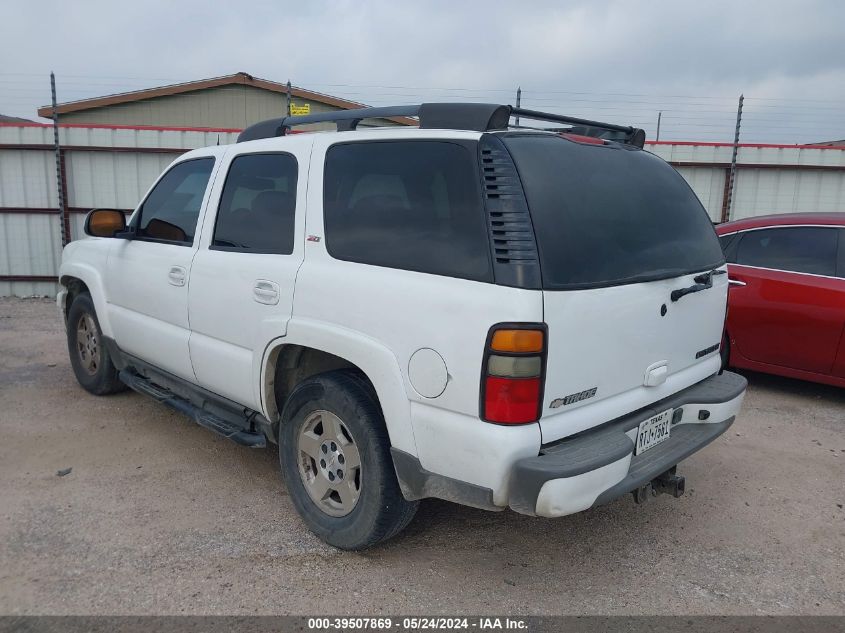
{"x":334,"y":454}
{"x":89,"y":358}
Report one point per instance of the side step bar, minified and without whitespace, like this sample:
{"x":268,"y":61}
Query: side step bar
{"x":208,"y":420}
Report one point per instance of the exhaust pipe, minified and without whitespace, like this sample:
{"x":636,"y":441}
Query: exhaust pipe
{"x":667,"y":483}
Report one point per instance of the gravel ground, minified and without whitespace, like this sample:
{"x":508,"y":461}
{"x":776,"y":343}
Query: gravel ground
{"x":159,"y":516}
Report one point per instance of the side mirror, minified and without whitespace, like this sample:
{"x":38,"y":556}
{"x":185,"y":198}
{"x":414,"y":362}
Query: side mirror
{"x":104,"y":222}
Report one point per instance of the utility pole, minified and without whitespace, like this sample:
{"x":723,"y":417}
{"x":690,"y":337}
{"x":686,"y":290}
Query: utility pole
{"x":659,"y":116}
{"x":729,"y":189}
{"x":288,"y":99}
{"x":518,"y":100}
{"x":60,"y":176}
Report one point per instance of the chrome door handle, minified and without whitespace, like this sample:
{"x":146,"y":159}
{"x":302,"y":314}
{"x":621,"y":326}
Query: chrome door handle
{"x":736,"y":282}
{"x":266,"y":292}
{"x":177,"y":275}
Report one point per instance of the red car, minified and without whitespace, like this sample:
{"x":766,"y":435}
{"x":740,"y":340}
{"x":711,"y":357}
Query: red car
{"x":786,"y":305}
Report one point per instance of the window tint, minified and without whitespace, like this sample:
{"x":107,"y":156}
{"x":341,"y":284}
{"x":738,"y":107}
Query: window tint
{"x":729,"y":244}
{"x":171,"y":210}
{"x":799,"y":249}
{"x":606,"y":215}
{"x":414,"y":205}
{"x":258,"y":205}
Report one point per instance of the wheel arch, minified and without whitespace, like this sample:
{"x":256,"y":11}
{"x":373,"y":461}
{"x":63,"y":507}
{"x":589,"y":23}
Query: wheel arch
{"x":305,"y":351}
{"x":76,"y":278}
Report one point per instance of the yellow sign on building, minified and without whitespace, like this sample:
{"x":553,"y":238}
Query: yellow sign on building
{"x":300,"y":109}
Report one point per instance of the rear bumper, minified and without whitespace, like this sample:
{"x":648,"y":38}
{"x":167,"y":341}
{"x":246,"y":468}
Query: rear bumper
{"x":599,"y":465}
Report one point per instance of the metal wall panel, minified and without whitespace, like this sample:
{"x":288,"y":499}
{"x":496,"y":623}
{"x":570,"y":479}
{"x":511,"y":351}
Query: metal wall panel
{"x":230,"y":106}
{"x":709,"y":185}
{"x":115,"y":180}
{"x":693,"y":153}
{"x":28,"y":179}
{"x":766,"y":191}
{"x":92,"y":136}
{"x":28,"y":289}
{"x":774,"y":180}
{"x":31,"y":244}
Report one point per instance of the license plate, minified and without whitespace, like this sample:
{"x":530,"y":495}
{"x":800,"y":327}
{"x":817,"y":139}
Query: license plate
{"x":653,"y":431}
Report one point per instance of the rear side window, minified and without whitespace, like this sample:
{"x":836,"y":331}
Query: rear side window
{"x":258,"y":205}
{"x":413,"y":205}
{"x":604,"y":215}
{"x":171,"y":210}
{"x":801,"y":249}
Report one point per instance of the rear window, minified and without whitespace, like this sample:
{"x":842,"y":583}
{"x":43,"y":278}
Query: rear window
{"x":605,"y":215}
{"x":413,"y":205}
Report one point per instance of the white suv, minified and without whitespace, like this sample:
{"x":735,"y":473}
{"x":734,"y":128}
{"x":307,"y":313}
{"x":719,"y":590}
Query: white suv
{"x":495,"y":315}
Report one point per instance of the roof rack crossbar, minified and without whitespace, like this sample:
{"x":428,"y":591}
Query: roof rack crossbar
{"x":481,"y":117}
{"x":629,"y":135}
{"x":559,"y":118}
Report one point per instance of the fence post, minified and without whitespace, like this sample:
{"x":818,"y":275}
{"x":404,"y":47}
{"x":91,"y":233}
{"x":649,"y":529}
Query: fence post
{"x":729,"y":186}
{"x":518,"y":101}
{"x":60,"y":172}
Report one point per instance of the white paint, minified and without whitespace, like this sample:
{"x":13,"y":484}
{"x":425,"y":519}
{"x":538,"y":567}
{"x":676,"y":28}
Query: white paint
{"x":427,"y":373}
{"x":612,"y":338}
{"x":420,"y":338}
{"x":232,"y":311}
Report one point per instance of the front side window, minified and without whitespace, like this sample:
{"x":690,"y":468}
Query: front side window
{"x":258,"y":205}
{"x":802,"y":249}
{"x":412,"y":205}
{"x":171,"y":211}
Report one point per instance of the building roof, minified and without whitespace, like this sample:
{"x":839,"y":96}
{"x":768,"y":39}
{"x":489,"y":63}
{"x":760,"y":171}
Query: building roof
{"x":839,"y":143}
{"x":240,"y":78}
{"x":5,"y":118}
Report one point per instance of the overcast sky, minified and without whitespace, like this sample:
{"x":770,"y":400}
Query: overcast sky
{"x":619,"y":61}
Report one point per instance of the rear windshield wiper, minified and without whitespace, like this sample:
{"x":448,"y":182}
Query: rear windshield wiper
{"x":702,"y":282}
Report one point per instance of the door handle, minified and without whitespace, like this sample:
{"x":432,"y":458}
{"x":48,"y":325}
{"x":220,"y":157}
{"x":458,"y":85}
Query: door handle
{"x":736,"y":282}
{"x":266,"y":292}
{"x":177,"y":275}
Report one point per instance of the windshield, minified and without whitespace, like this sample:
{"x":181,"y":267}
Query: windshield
{"x":606,"y":215}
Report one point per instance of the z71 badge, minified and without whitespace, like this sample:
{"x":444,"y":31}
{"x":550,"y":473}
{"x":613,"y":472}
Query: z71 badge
{"x":572,"y":398}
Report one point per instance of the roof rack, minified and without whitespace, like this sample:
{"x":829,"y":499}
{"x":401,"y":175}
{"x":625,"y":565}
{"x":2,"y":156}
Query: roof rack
{"x":479,"y":117}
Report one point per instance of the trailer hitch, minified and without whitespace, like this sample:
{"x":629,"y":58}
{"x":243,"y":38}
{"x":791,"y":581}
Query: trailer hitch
{"x":665,"y":483}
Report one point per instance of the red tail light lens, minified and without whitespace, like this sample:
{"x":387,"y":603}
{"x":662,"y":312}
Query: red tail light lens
{"x":512,"y":374}
{"x":511,"y":400}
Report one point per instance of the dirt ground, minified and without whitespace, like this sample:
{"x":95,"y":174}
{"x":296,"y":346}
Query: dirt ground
{"x":160,"y":516}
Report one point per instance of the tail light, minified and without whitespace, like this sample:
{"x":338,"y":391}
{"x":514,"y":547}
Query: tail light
{"x":513,"y":373}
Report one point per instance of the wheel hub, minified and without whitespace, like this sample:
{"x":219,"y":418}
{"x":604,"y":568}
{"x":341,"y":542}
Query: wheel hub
{"x":332,"y":461}
{"x":87,"y":343}
{"x":329,"y":463}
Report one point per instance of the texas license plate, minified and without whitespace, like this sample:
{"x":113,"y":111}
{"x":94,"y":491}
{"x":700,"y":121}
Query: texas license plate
{"x":653,"y":431}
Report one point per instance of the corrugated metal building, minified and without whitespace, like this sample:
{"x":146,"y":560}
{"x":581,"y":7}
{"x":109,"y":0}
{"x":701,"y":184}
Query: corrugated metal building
{"x":232,"y":101}
{"x":113,"y":166}
{"x":770,"y":178}
{"x":108,"y":167}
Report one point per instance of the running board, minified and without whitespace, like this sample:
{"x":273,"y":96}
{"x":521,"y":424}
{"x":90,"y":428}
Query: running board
{"x":203,"y":418}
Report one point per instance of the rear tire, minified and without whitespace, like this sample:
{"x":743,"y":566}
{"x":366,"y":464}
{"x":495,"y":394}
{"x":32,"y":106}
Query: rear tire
{"x":334,"y":453}
{"x":89,"y":358}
